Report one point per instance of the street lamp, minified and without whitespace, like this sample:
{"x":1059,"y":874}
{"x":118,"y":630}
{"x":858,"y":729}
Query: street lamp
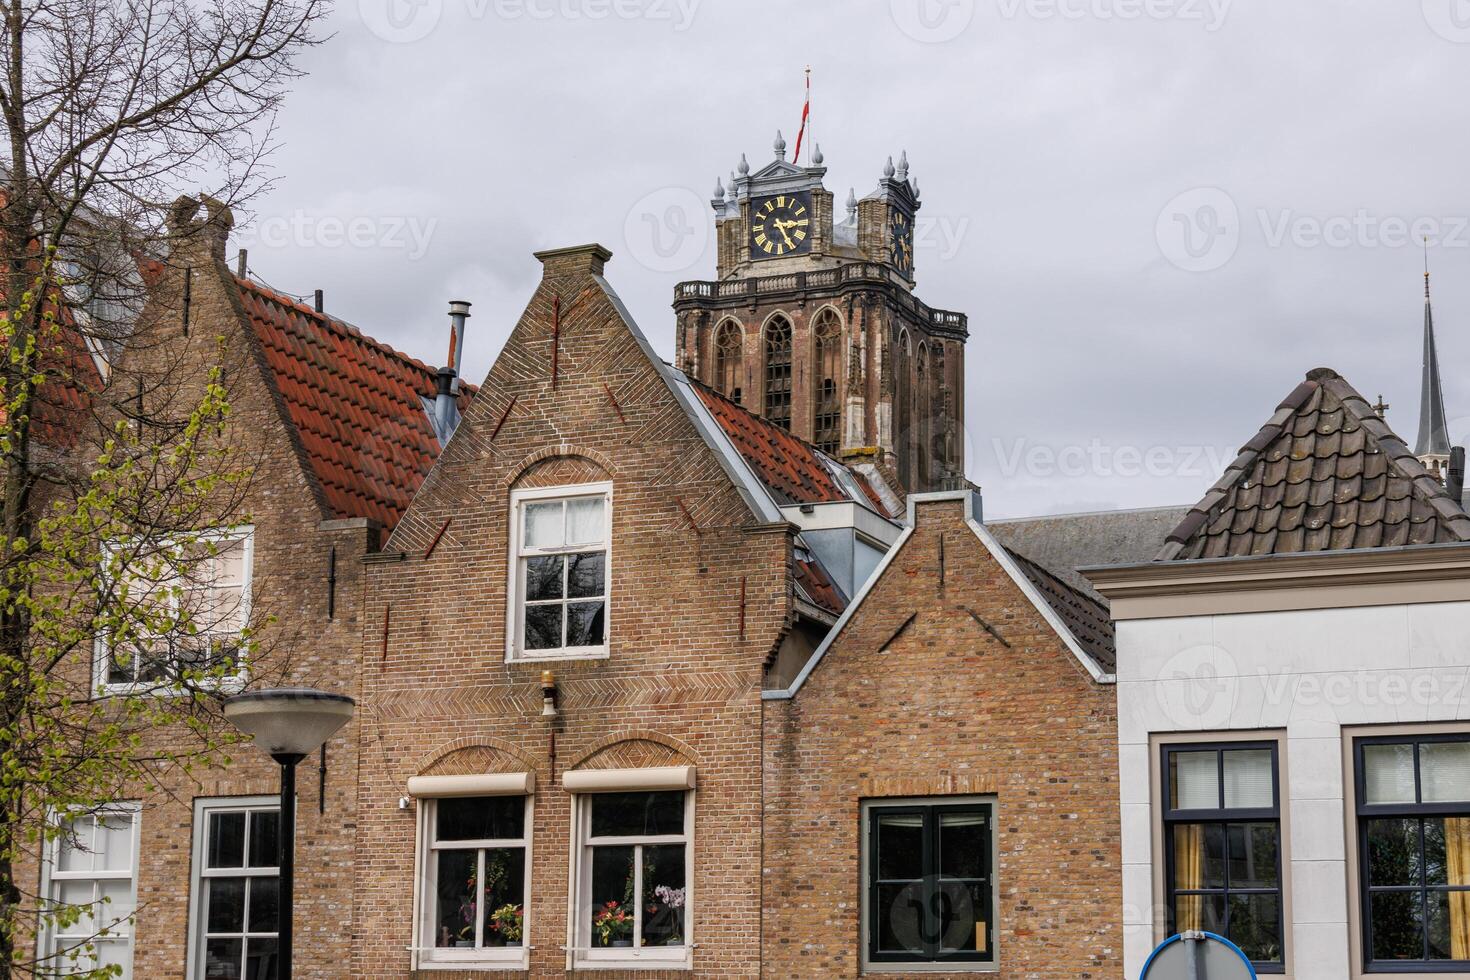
{"x":289,"y":723}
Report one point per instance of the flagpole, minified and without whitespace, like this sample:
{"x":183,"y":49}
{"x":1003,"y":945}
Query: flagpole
{"x":809,"y":111}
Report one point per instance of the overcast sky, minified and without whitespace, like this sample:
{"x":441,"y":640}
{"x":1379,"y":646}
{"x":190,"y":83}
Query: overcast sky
{"x":1158,"y":214}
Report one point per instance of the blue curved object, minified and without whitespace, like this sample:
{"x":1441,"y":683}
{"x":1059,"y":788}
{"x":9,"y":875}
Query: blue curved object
{"x":1209,"y":935}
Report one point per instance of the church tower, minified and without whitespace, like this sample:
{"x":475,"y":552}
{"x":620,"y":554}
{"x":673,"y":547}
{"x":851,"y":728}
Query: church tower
{"x":1433,"y":445}
{"x":812,"y":322}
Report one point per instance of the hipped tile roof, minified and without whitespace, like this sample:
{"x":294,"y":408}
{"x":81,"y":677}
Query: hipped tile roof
{"x":1325,"y":473}
{"x":355,"y":402}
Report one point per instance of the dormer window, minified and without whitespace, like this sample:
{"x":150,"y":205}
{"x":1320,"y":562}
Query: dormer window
{"x":561,"y":542}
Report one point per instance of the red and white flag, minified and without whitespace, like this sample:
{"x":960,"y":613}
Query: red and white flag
{"x":806,"y":111}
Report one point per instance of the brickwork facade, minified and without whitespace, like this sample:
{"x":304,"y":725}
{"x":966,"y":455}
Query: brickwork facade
{"x":945,"y":709}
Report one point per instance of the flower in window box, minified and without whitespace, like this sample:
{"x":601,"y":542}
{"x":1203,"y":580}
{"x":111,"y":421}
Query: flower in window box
{"x":613,"y":924}
{"x":509,"y":922}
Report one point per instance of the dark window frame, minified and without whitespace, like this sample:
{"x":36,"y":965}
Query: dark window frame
{"x":1365,"y":813}
{"x":778,"y":339}
{"x":1224,"y":817}
{"x":930,"y":812}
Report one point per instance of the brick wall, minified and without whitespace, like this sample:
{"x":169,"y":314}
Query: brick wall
{"x":946,"y":710}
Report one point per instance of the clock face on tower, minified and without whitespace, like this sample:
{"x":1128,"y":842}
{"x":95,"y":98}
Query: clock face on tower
{"x":781,"y":225}
{"x":901,"y":243}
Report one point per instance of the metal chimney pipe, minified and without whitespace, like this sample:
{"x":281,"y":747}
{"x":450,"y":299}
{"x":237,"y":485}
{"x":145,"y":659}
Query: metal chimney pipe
{"x":1454,"y":481}
{"x":459,"y":312}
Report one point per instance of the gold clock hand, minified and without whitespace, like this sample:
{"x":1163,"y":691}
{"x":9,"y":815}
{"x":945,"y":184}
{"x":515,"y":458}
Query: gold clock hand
{"x":781,"y":226}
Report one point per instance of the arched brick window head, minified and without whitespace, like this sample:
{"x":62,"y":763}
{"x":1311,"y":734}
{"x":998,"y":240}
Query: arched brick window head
{"x":778,"y":372}
{"x":728,"y":359}
{"x":827,"y":410}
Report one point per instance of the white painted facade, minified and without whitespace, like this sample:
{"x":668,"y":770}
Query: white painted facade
{"x":1305,"y":676}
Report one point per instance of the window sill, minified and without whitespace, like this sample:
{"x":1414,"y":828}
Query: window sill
{"x":479,"y":963}
{"x":946,"y":968}
{"x":629,"y":959}
{"x":541,"y":658}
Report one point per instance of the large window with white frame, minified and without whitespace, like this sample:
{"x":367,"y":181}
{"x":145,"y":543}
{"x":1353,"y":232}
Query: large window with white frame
{"x":635,"y":867}
{"x":198,"y":596}
{"x":90,"y":889}
{"x":235,"y":916}
{"x":1413,"y":829}
{"x":561,"y":544}
{"x":474,"y":870}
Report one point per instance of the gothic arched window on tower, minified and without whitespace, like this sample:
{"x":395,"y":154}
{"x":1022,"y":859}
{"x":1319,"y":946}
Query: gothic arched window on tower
{"x":938,"y":431}
{"x":729,"y":359}
{"x":902,"y":408}
{"x":778,"y":372}
{"x":827,"y":406}
{"x":923,"y":415}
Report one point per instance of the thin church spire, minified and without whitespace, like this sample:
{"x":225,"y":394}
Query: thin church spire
{"x":1434,"y":436}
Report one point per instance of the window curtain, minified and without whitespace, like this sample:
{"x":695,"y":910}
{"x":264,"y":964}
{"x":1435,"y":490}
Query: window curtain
{"x":1189,"y":854}
{"x":1457,"y":860}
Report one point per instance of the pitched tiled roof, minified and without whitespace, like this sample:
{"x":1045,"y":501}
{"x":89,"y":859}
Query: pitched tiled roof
{"x":1066,"y":542}
{"x":356,"y":403}
{"x":794,"y":470}
{"x":1325,"y":473}
{"x":817,"y":587}
{"x":1085,"y":617}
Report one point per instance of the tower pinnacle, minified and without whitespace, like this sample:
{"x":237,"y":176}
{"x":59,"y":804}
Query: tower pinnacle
{"x":1433,"y":446}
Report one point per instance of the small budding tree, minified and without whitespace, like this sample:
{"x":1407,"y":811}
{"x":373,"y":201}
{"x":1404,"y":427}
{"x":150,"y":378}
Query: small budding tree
{"x":117,"y":465}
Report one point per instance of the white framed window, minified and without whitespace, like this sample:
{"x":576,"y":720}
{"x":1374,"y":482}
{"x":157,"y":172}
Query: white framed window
{"x":633,"y":897}
{"x":213,"y":598}
{"x":234,"y":915}
{"x":474,"y":882}
{"x":561,"y":557}
{"x":91,"y":872}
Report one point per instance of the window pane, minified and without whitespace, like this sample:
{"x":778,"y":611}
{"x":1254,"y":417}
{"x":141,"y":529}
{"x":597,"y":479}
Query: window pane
{"x":115,"y":842}
{"x":225,"y":901}
{"x":1199,"y":856}
{"x":1449,"y":925}
{"x":637,"y":815}
{"x":900,"y":911}
{"x":222,"y":959}
{"x":585,"y":575}
{"x":454,"y":899}
{"x":585,"y":625}
{"x":1388,"y":772}
{"x":117,"y":908}
{"x":260,"y":961}
{"x":543,"y":524}
{"x":544,"y":577}
{"x":265,"y":839}
{"x":80,"y":894}
{"x":264,"y":905}
{"x":226,"y":840}
{"x":663,"y":895}
{"x":76,"y":845}
{"x":1444,"y":771}
{"x":1398,"y":925}
{"x":1248,"y":780}
{"x":612,"y":896}
{"x":585,"y":520}
{"x":962,"y":924}
{"x":1457,"y":850}
{"x":1253,"y":855}
{"x":115,"y":952}
{"x":1194,"y":780}
{"x":962,"y":845}
{"x":900,"y":846}
{"x":505,"y":896}
{"x":543,"y":627}
{"x":1195,"y":912}
{"x":480,"y":818}
{"x":1393,"y":852}
{"x":1255,"y":926}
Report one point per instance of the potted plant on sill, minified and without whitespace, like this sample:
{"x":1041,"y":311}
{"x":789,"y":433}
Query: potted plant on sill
{"x":509,"y":922}
{"x":613,"y":924}
{"x":672,"y":902}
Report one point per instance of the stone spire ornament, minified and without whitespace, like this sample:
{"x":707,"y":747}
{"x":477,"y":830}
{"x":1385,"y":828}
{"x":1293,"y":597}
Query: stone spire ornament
{"x":817,"y":157}
{"x":1433,"y":446}
{"x":719,"y":189}
{"x":852,"y":204}
{"x":888,"y":168}
{"x":914,"y":183}
{"x":903,"y":165}
{"x":779,"y":146}
{"x":744,"y":165}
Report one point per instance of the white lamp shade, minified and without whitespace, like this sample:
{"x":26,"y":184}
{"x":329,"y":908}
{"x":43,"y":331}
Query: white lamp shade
{"x":289,"y":720}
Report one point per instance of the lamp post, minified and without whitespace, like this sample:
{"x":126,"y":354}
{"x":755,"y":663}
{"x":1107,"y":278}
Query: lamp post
{"x":288,"y":723}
